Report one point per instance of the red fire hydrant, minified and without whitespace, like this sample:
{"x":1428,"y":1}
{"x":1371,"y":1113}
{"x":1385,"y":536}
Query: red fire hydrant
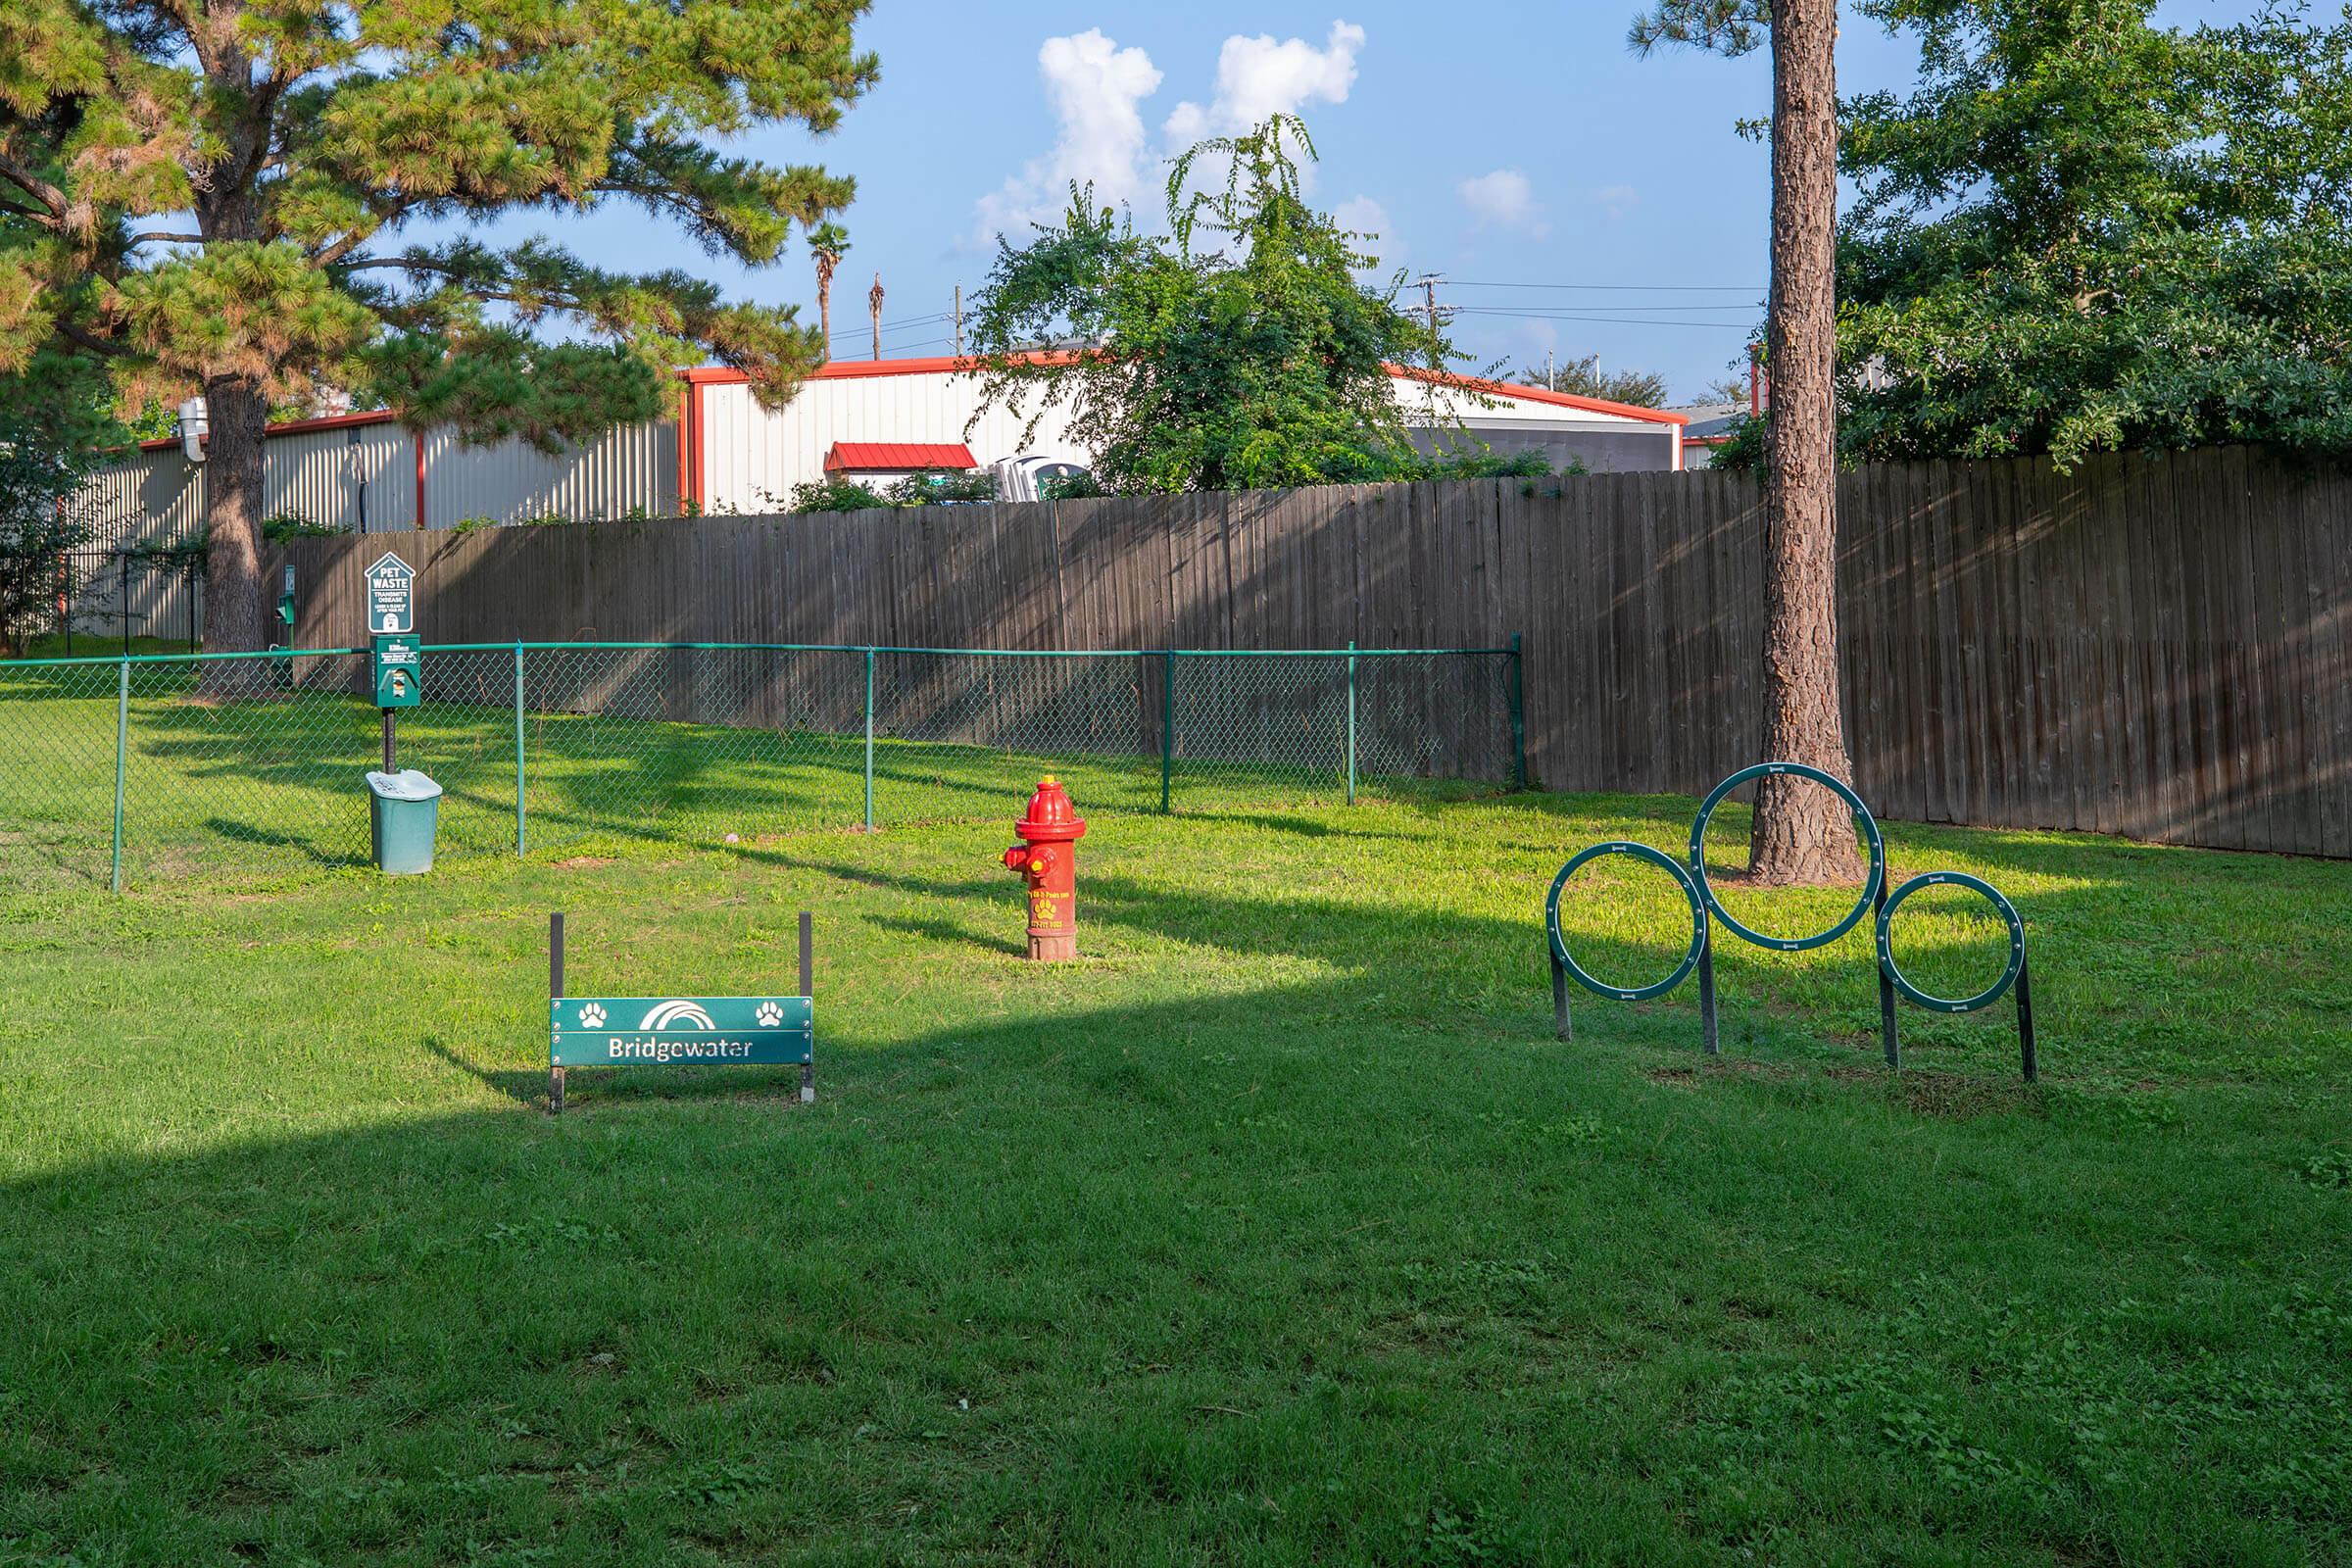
{"x":1048,"y":858}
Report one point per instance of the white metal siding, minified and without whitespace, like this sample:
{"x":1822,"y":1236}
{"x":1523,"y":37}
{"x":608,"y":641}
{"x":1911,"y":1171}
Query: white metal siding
{"x":752,"y":458}
{"x":321,"y":476}
{"x":148,"y":498}
{"x":635,"y":468}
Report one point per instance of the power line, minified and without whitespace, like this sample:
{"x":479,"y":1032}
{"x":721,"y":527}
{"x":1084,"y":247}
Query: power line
{"x":1620,"y":288}
{"x":1546,"y":310}
{"x":1617,"y":321}
{"x":894,"y":326}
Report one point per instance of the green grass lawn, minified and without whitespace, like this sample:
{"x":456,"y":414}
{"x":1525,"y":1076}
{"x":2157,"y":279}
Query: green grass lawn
{"x":1276,"y":1230}
{"x":272,"y":783}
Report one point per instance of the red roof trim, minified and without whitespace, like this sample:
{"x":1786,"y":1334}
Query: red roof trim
{"x":854,"y":369}
{"x":332,"y":421}
{"x":1537,"y":394}
{"x":848,"y":456}
{"x":850,"y":370}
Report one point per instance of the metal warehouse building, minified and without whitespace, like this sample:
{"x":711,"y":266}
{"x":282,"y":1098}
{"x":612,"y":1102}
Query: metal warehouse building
{"x":866,"y":419}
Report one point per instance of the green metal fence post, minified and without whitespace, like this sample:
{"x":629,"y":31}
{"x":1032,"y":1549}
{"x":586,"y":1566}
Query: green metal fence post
{"x":1350,"y":721}
{"x":520,"y":822}
{"x":122,"y":752}
{"x":1518,"y":691}
{"x":1167,"y":726}
{"x":869,"y":740}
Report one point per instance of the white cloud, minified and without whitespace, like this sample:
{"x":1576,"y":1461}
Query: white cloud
{"x":1095,"y":88}
{"x":1504,"y":197}
{"x":1362,"y":215}
{"x":1258,"y":77}
{"x":1617,"y":200}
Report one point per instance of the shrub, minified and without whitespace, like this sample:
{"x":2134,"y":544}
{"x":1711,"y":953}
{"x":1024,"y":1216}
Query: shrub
{"x":834,"y":494}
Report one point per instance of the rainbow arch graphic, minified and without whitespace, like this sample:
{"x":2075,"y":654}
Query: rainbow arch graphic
{"x":676,"y":1015}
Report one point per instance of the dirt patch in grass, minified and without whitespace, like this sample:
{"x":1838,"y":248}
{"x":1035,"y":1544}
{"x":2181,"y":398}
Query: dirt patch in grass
{"x":1719,"y":1067}
{"x":1952,"y":1096}
{"x":584,"y":863}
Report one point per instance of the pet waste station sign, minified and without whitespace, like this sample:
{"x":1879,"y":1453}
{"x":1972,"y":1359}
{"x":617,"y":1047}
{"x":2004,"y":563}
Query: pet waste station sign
{"x":391,"y":595}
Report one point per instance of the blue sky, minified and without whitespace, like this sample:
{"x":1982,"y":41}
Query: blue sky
{"x":1575,"y":197}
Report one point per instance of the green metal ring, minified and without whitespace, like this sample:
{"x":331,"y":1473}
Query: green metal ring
{"x":1982,"y":999}
{"x":1639,"y":851}
{"x":1870,"y":832}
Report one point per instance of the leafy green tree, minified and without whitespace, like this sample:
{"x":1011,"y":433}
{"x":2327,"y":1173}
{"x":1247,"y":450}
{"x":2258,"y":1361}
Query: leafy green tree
{"x":2084,"y":231}
{"x":1237,"y":351}
{"x":211,"y":198}
{"x":1585,"y":378}
{"x":1800,"y":833}
{"x":54,"y":421}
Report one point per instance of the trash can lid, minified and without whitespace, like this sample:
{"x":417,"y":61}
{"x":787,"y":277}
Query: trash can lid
{"x":406,"y":785}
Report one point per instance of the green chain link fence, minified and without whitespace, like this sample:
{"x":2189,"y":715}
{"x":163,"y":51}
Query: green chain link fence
{"x":140,"y":771}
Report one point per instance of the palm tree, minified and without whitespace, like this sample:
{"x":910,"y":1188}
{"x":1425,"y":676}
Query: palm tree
{"x":827,"y":242}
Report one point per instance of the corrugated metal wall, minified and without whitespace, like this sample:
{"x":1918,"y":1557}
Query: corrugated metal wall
{"x":154,"y":498}
{"x":343,"y":478}
{"x":752,"y":458}
{"x":150,"y":497}
{"x":362,"y":478}
{"x":629,"y":470}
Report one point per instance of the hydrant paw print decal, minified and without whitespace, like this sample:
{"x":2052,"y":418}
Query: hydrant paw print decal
{"x":592,"y":1016}
{"x":769,"y":1015}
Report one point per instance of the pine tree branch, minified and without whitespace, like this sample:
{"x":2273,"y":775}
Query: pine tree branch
{"x":52,"y":199}
{"x":84,"y":338}
{"x":1722,"y":26}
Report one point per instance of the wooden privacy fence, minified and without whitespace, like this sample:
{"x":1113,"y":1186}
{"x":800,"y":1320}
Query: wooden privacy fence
{"x":2156,"y":648}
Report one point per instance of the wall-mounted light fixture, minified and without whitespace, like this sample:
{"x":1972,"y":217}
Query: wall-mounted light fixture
{"x":193,"y":422}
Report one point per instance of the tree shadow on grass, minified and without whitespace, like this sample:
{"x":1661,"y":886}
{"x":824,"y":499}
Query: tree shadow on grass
{"x":589,"y":1088}
{"x":1122,"y":1265}
{"x":260,"y":838}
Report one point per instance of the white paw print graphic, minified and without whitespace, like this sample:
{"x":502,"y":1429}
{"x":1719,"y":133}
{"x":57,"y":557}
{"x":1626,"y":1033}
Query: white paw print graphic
{"x":769,"y":1015}
{"x":592,"y":1016}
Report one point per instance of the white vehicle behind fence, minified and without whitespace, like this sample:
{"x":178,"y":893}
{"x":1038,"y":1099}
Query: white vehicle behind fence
{"x":1022,"y":478}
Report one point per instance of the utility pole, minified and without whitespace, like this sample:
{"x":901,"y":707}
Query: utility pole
{"x":873,"y":303}
{"x":960,"y":321}
{"x":1428,"y":283}
{"x":1552,"y":380}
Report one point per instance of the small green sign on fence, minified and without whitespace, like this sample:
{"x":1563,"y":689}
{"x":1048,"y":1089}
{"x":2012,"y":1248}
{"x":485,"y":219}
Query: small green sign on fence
{"x":774,"y":1031}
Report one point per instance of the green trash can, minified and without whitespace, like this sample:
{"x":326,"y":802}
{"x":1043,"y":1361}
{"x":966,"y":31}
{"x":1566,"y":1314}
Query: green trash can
{"x":403,"y":810}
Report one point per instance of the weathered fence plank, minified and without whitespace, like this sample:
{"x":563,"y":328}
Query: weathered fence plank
{"x":2159,"y":648}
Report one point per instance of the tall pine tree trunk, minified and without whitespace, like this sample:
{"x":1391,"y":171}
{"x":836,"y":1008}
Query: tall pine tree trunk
{"x":1802,"y":833}
{"x":235,"y":619}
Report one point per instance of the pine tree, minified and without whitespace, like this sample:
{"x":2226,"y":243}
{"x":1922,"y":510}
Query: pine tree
{"x":1801,"y":833}
{"x":213,"y":198}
